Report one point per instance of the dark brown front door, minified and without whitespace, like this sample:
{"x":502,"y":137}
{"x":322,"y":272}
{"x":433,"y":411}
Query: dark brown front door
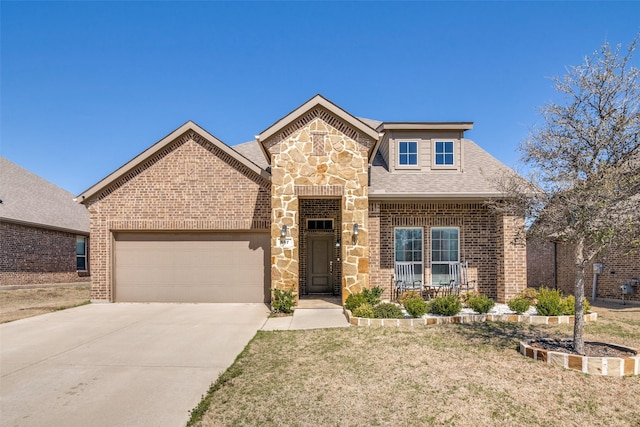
{"x":319,"y":265}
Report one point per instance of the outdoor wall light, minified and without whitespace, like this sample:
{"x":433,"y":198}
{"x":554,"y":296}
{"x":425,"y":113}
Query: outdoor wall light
{"x":283,"y":234}
{"x":355,"y":233}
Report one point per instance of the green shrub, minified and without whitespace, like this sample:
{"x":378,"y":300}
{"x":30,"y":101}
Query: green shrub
{"x":408,"y":294}
{"x":549,"y":302}
{"x":569,"y":305}
{"x":354,"y":301}
{"x":449,"y":305}
{"x":530,"y":294}
{"x":373,"y":295}
{"x":282,"y":301}
{"x":364,"y":310}
{"x":387,"y":310}
{"x":416,"y":307}
{"x":481,"y":304}
{"x":519,"y":305}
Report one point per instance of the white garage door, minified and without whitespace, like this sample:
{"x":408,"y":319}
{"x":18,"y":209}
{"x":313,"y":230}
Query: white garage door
{"x":191,"y":267}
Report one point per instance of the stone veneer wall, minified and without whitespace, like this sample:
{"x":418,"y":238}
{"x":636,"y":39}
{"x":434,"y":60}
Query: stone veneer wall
{"x":191,"y":185}
{"x":33,"y":255}
{"x":319,"y":155}
{"x":479,"y":243}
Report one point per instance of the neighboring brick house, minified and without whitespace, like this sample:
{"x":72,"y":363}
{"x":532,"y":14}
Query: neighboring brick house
{"x":551,"y":264}
{"x":321,"y":202}
{"x":43,"y":231}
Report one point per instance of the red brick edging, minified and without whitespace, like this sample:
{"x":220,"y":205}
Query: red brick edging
{"x":607,"y":366}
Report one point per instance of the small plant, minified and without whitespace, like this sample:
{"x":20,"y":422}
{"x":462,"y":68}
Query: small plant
{"x":530,"y":294}
{"x":416,"y":307}
{"x":364,"y":310}
{"x":373,"y":295}
{"x":283,"y":301}
{"x":481,"y":304}
{"x":354,"y":301}
{"x":549,"y":302}
{"x":387,"y":310}
{"x":569,"y":304}
{"x":407,"y":295}
{"x":519,"y":305}
{"x":449,"y":305}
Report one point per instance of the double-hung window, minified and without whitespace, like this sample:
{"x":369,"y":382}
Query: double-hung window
{"x":408,"y":248}
{"x":81,"y":253}
{"x":407,"y":153}
{"x":445,"y":244}
{"x":444,"y":153}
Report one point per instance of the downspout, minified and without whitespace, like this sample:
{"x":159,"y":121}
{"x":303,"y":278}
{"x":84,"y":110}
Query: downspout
{"x":555,"y":265}
{"x":597,"y":269}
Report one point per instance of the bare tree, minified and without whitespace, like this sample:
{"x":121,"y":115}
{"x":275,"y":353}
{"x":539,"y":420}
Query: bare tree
{"x":585,"y":163}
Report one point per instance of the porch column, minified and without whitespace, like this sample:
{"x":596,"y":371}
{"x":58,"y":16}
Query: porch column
{"x":511,"y":257}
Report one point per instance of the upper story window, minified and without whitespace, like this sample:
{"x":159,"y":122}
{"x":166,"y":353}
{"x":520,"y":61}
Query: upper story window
{"x":407,"y":153}
{"x":444,"y":153}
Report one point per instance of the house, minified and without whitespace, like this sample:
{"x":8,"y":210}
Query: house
{"x":321,"y":202}
{"x":551,"y":264}
{"x":43,"y":232}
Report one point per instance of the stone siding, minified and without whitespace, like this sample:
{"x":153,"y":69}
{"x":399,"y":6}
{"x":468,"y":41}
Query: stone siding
{"x":32,"y":255}
{"x":320,"y":155}
{"x":191,"y":185}
{"x":478,"y":243}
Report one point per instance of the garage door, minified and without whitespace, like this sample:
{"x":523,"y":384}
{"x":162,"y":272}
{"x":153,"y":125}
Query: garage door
{"x":191,"y":267}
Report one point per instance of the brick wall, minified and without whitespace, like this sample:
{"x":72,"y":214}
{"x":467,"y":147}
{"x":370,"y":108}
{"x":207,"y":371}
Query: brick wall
{"x":320,"y":208}
{"x":541,"y":264}
{"x":479,"y":236}
{"x":31,"y":255}
{"x":191,"y":185}
{"x":618,"y":268}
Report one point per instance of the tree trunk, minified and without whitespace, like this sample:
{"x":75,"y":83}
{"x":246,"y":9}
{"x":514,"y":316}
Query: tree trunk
{"x":578,"y":325}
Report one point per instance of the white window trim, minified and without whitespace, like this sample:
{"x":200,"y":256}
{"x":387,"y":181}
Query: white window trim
{"x":400,"y":166}
{"x":394,"y":248}
{"x":431,"y":262}
{"x":454,"y":165}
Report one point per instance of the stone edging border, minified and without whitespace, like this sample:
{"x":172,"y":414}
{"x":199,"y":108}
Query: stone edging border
{"x":605,"y":366}
{"x":466,"y":318}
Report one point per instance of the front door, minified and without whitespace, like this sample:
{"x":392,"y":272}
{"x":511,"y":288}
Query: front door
{"x":320,"y":264}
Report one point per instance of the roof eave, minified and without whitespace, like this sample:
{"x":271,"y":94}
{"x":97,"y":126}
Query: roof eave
{"x":318,"y":100}
{"x":45,"y":226}
{"x":158,"y":146}
{"x":425,"y":126}
{"x":433,"y":196}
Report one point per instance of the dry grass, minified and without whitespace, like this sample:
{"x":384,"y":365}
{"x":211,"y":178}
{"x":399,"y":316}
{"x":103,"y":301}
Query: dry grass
{"x":20,"y":303}
{"x":439,"y":375}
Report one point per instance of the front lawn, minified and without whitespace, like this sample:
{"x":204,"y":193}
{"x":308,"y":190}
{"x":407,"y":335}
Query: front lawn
{"x":456,"y":374}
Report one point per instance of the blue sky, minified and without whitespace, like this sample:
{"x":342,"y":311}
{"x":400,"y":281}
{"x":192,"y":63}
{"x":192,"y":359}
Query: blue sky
{"x":86,"y":86}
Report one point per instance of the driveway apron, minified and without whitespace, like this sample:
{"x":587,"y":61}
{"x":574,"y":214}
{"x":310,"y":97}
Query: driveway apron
{"x":118,"y":364}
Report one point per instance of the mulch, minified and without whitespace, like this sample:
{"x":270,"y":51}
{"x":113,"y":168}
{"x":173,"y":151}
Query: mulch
{"x":592,"y":349}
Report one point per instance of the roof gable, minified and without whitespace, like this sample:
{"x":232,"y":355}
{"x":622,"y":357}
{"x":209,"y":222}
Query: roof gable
{"x":189,"y":130}
{"x":30,"y":200}
{"x":318,"y":106}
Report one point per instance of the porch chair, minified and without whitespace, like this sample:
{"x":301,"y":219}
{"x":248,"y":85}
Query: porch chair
{"x":459,"y":276}
{"x":404,"y":278}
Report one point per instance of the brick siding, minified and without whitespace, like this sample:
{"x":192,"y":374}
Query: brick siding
{"x":541,"y":264}
{"x":191,"y":185}
{"x":618,"y":268}
{"x":32,"y":255}
{"x":479,"y":243}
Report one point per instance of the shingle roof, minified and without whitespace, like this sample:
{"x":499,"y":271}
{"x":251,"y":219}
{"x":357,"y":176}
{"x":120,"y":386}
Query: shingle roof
{"x":476,"y":181}
{"x":29,"y":199}
{"x":252,"y":151}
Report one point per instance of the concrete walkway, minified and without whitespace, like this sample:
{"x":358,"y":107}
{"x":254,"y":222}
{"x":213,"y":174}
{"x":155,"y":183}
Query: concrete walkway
{"x":118,"y":364}
{"x":311,"y":313}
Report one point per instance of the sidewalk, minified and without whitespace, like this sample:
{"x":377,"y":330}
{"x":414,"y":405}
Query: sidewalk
{"x":312,"y":313}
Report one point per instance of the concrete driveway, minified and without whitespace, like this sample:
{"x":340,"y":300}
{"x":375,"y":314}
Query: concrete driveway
{"x":118,"y":364}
